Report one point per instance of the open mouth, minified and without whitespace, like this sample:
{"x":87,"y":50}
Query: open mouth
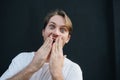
{"x":53,"y":40}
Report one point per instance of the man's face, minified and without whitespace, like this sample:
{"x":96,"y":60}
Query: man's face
{"x":56,"y":27}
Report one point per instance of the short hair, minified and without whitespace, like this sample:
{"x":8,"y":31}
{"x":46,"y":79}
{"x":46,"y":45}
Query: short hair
{"x":62,"y":13}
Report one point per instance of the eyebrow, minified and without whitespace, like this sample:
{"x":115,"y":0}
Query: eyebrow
{"x":52,"y":23}
{"x":61,"y":25}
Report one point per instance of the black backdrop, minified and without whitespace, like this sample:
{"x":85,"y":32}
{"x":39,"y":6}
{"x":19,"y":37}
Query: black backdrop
{"x":95,"y":42}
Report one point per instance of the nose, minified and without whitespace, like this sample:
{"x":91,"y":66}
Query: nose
{"x":56,"y":32}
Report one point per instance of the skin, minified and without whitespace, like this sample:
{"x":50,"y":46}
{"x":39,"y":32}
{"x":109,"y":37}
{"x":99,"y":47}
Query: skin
{"x":60,"y":34}
{"x":55,"y":36}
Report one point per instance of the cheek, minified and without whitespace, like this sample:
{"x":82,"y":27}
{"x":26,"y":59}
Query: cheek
{"x":46,"y":34}
{"x":64,"y":39}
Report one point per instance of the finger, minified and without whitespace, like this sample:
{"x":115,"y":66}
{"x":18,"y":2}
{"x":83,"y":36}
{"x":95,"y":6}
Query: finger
{"x":50,"y":35}
{"x":57,"y":44}
{"x":60,"y":42}
{"x":49,"y":40}
{"x":46,"y":45}
{"x":53,"y":52}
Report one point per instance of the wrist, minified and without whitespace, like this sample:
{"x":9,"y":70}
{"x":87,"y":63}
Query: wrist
{"x":31,"y":68}
{"x":57,"y":76}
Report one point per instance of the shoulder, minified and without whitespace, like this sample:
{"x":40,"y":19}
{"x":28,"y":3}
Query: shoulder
{"x":23,"y":58}
{"x":24,"y":55}
{"x":18,"y":63}
{"x":72,"y":69}
{"x":71,"y":64}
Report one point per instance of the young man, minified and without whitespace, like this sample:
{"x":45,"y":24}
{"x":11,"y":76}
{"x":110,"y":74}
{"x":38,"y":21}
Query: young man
{"x":48,"y":62}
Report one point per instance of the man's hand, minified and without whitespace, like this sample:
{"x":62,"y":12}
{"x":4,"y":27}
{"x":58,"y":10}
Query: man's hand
{"x":57,"y":59}
{"x":42,"y":54}
{"x":37,"y":62}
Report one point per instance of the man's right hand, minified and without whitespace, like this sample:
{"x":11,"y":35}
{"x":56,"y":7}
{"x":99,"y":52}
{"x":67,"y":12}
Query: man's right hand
{"x":42,"y":54}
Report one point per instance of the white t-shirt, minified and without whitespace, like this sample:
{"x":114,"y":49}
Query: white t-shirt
{"x":71,"y":70}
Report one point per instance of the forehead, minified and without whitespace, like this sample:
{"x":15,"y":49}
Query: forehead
{"x":58,"y":20}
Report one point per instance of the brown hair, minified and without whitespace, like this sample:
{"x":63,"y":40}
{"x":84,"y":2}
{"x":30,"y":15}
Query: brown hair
{"x":61,"y":13}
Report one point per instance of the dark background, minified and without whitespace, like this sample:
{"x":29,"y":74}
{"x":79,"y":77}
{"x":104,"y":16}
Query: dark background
{"x":95,"y":42}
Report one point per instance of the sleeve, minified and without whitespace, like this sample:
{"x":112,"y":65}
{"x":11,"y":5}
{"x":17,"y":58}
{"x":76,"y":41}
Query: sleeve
{"x":75,"y":73}
{"x":17,"y":64}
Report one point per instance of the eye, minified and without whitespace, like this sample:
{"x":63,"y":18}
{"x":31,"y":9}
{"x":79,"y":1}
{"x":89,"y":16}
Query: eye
{"x":51,"y":26}
{"x":63,"y":30}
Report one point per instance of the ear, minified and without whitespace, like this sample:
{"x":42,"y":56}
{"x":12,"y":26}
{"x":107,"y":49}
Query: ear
{"x":43,"y":32}
{"x":69,"y":36}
